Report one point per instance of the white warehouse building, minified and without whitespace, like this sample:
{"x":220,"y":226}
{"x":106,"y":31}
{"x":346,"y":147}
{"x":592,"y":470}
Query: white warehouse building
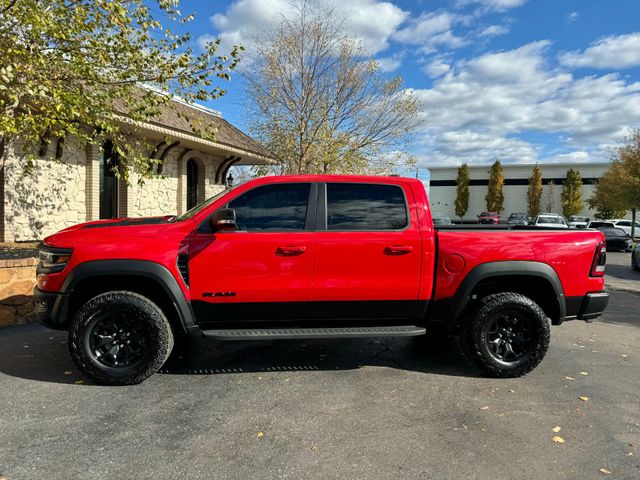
{"x":442,"y":187}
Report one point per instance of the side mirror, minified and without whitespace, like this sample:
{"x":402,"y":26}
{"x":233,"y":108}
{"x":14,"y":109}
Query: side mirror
{"x":224,"y":220}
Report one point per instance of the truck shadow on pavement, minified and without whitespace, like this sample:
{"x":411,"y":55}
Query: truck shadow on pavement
{"x":33,"y":352}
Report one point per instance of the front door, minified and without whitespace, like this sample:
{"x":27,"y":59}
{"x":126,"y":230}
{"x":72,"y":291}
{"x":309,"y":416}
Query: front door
{"x":368,"y":252}
{"x":263,"y":270}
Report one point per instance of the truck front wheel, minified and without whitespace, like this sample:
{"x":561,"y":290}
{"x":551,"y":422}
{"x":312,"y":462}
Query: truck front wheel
{"x":120,"y":338}
{"x":507,"y":336}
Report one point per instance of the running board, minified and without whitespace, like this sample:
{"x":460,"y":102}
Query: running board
{"x":289,"y":333}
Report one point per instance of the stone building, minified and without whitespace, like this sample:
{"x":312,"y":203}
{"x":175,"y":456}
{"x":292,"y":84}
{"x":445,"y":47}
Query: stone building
{"x":81,"y":187}
{"x":442,"y":187}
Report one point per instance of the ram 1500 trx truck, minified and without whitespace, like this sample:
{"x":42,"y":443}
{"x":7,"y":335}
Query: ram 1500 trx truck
{"x":312,"y":257}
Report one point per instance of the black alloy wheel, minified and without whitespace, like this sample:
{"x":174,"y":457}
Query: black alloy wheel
{"x":120,"y":338}
{"x":506,"y":335}
{"x":510,"y":337}
{"x":117,"y":341}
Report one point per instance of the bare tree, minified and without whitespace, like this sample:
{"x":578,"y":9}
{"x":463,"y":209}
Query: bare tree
{"x":320,"y":104}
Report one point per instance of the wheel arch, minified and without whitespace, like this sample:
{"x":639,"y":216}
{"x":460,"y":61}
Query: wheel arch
{"x":147,"y":278}
{"x":537,"y":280}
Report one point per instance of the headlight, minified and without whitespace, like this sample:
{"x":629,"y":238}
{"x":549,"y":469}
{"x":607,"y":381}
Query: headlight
{"x":53,"y":259}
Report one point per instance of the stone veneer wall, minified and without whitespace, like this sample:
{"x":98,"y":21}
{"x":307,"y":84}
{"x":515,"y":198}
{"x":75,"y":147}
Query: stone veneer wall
{"x":59,"y":194}
{"x":17,"y":279}
{"x":49,"y":198}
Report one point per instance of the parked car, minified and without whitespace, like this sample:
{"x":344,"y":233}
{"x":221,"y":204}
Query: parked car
{"x":576,"y":221}
{"x":518,"y":219}
{"x":635,"y":257}
{"x":617,"y":239}
{"x":549,"y":220}
{"x":489,"y":218}
{"x":442,"y":221}
{"x":311,"y":256}
{"x":626,"y":225}
{"x":601,"y":224}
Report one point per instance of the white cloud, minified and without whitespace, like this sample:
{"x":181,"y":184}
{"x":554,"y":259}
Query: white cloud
{"x":488,"y":106}
{"x":494,"y":30}
{"x":495,"y":5}
{"x":371,"y":21}
{"x":430,"y":30}
{"x":611,"y":52}
{"x":436,"y":68}
{"x":389,"y":64}
{"x":572,"y":17}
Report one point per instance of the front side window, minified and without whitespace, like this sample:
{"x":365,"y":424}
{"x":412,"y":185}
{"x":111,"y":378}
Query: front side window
{"x":278,"y":207}
{"x":361,"y":206}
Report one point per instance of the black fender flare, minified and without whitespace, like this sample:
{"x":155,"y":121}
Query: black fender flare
{"x":140,"y":268}
{"x":483,"y":271}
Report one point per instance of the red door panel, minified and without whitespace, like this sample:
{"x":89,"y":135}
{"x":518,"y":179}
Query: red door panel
{"x":367,"y":266}
{"x":251,"y":267}
{"x":356,"y":266}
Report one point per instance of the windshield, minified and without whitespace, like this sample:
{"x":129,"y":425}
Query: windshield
{"x":613,"y":232}
{"x":554,"y":220}
{"x":518,"y":215}
{"x":201,"y":206}
{"x":578,"y":219}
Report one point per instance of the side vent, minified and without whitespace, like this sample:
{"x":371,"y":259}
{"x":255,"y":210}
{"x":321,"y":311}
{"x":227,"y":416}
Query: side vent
{"x":183,"y":267}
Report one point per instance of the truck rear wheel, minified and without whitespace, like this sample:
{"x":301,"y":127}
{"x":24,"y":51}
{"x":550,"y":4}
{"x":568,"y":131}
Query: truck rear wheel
{"x":507,"y":336}
{"x":120,"y":338}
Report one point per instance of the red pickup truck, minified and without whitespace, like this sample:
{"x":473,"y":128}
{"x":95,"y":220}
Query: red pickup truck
{"x":312,"y":257}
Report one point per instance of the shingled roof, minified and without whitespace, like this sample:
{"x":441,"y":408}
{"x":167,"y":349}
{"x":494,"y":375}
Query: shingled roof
{"x":173,"y":116}
{"x":177,"y":115}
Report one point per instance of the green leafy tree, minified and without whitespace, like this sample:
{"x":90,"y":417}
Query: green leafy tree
{"x":92,"y":68}
{"x":495,"y":195}
{"x":550,"y":203}
{"x":318,"y":101}
{"x":534,"y":192}
{"x":618,"y":191}
{"x":572,"y":203}
{"x":462,"y":191}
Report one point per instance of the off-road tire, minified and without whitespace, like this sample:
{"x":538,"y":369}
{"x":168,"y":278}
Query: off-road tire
{"x":145,"y":314}
{"x":475,"y":331}
{"x":634,"y":262}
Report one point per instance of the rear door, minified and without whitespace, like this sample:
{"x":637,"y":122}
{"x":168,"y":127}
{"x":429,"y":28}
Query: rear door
{"x":367,"y":252}
{"x":263,"y":270}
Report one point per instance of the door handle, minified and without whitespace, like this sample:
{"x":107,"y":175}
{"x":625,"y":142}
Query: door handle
{"x":290,"y":250}
{"x":398,"y":249}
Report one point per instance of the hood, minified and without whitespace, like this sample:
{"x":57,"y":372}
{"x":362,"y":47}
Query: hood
{"x":118,"y":227}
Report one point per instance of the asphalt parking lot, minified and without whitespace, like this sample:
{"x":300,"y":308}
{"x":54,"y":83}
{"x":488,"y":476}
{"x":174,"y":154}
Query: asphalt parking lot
{"x":365,"y":409}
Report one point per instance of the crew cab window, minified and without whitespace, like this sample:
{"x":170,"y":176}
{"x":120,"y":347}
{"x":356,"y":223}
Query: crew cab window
{"x":361,"y":206}
{"x":281,"y":207}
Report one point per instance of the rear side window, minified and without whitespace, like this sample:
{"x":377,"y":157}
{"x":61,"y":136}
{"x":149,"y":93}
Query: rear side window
{"x":280,"y":207}
{"x":361,"y":206}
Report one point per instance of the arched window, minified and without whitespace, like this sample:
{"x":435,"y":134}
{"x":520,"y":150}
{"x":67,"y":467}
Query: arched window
{"x":108,"y":182}
{"x":192,"y":184}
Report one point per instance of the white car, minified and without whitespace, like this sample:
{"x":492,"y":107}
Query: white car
{"x":576,"y":221}
{"x":549,"y":220}
{"x":625,"y":225}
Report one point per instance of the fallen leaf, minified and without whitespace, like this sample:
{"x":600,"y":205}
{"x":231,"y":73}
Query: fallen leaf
{"x":584,"y":373}
{"x":484,"y":408}
{"x":584,"y":399}
{"x":557,"y":439}
{"x":68,"y":372}
{"x":260,"y":434}
{"x":511,"y":391}
{"x":79,"y":382}
{"x":569,"y":378}
{"x":556,"y":429}
{"x":605,"y":471}
{"x":624,"y":355}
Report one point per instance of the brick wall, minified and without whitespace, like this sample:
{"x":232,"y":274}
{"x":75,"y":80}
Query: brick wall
{"x":17,"y":279}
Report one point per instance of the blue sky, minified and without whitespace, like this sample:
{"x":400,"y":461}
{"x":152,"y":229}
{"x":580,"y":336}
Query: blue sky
{"x":519,"y":80}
